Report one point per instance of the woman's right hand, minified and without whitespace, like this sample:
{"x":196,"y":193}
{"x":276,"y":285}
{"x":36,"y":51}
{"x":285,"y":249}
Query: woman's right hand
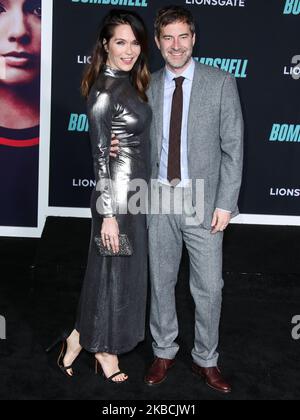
{"x":110,"y":234}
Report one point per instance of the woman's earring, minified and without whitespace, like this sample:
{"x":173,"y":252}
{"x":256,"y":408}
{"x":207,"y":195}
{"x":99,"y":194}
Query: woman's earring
{"x":105,"y":47}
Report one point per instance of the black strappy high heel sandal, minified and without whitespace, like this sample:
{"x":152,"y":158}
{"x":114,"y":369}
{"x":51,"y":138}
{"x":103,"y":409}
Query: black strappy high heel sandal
{"x":98,"y":369}
{"x":60,"y":362}
{"x":63,"y":340}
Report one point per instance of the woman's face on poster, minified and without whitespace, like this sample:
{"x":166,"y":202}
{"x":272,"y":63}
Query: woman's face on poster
{"x":20,"y":41}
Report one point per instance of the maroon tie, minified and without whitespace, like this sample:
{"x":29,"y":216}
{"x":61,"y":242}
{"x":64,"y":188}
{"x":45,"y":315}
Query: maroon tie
{"x":174,"y":159}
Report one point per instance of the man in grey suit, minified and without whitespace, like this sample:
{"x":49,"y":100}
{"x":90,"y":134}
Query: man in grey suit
{"x":197,"y":134}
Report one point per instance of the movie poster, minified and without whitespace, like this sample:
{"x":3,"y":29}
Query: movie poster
{"x":20,"y":68}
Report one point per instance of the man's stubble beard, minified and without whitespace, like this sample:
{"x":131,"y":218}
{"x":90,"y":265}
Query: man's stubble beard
{"x":179,"y":65}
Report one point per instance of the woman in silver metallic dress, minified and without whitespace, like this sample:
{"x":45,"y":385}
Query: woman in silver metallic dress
{"x":111,"y":312}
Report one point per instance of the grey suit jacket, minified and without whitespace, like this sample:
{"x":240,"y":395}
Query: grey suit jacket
{"x":215,"y":137}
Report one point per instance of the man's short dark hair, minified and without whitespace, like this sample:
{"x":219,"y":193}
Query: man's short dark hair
{"x":172,"y":14}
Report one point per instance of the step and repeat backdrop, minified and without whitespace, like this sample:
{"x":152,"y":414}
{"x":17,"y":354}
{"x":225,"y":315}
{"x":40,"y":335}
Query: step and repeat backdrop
{"x":257,"y":41}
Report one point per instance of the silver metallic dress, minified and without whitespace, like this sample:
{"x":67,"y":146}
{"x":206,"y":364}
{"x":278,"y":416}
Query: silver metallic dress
{"x":111,"y":311}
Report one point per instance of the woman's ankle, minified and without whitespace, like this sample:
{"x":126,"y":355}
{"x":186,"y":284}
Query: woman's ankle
{"x":74,"y":344}
{"x":105,"y":355}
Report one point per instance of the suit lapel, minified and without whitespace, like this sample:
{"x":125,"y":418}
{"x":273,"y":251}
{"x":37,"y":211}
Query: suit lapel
{"x":196,"y":102}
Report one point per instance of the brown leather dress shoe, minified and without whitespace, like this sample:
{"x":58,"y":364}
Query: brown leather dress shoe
{"x":158,"y":371}
{"x":213,"y":378}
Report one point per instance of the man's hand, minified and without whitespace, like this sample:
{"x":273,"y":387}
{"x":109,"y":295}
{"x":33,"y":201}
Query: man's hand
{"x":220,"y":221}
{"x":114,"y":150}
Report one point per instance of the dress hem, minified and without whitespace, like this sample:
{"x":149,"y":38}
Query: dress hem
{"x":112,"y":351}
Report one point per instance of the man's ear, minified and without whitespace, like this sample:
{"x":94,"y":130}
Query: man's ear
{"x":157,"y":42}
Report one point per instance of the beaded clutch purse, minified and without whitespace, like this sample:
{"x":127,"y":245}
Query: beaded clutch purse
{"x":124,"y":251}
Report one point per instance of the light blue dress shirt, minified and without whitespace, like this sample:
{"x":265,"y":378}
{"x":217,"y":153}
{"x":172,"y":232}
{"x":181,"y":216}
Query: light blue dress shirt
{"x":169,"y":88}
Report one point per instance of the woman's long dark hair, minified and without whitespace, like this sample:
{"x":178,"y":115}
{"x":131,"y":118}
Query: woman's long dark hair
{"x":140,"y":74}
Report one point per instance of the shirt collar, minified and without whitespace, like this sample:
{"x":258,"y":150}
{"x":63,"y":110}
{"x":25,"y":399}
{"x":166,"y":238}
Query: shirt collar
{"x":187,"y":74}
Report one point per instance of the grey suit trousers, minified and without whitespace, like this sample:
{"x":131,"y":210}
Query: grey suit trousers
{"x":167,"y":232}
